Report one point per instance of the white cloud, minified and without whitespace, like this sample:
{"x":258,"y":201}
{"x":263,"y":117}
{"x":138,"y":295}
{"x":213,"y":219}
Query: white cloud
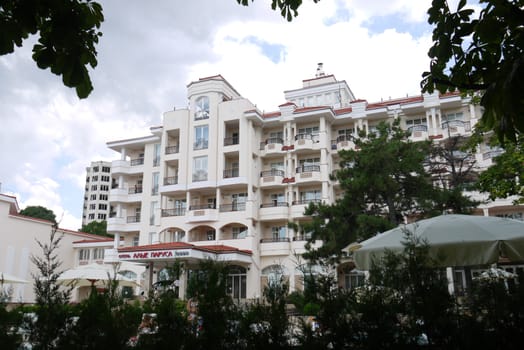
{"x":149,"y":53}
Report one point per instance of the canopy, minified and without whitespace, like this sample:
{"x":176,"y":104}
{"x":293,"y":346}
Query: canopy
{"x":94,"y":275}
{"x":461,"y":240}
{"x":6,"y":278}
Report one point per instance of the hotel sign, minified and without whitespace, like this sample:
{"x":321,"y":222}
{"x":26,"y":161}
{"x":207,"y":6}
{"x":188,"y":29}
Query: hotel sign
{"x":156,"y":254}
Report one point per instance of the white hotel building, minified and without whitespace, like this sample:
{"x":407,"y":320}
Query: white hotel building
{"x":222,"y":180}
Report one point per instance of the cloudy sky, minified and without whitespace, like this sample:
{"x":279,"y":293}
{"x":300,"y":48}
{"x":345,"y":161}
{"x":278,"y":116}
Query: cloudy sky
{"x":149,"y":53}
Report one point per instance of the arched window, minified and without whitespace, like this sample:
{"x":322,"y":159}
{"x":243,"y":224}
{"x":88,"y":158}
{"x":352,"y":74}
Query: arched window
{"x":202,"y":108}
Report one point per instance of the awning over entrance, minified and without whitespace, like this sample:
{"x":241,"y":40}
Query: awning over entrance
{"x":184,"y":251}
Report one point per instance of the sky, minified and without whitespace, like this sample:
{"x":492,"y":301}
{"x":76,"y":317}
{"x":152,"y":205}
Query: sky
{"x":150,"y":51}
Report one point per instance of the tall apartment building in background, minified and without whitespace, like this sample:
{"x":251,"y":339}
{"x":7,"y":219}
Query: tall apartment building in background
{"x":96,"y":196}
{"x":223,"y":180}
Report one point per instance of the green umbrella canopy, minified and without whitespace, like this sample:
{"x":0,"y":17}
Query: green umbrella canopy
{"x":457,"y":240}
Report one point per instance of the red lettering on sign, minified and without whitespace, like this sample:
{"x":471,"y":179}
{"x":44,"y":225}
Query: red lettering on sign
{"x":141,"y":255}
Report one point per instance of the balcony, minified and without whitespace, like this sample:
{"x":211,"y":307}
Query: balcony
{"x":136,"y":161}
{"x":230,"y":173}
{"x":418,"y":132}
{"x":456,"y":127}
{"x":170,"y":180}
{"x":343,"y":142}
{"x":308,"y":173}
{"x":232,"y":207}
{"x":274,"y":210}
{"x":122,"y":224}
{"x":275,"y":246}
{"x":229,"y":141}
{"x":271,"y":178}
{"x":172,"y":149}
{"x":272,"y":145}
{"x":135,"y":190}
{"x":205,"y":212}
{"x":299,"y":206}
{"x":173,"y":212}
{"x":305,"y":141}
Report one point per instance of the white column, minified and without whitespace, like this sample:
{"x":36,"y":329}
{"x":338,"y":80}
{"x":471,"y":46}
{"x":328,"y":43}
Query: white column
{"x":116,"y":241}
{"x":123,"y":154}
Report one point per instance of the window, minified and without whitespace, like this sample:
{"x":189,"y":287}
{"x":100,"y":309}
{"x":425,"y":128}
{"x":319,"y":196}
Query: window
{"x":136,"y":240}
{"x":153,"y":237}
{"x":98,"y":254}
{"x":238,"y":201}
{"x":354,"y":279}
{"x":103,"y":197}
{"x":92,"y":206}
{"x":200,"y":169}
{"x":277,"y":166}
{"x":156,"y":180}
{"x":106,"y":169}
{"x":236,"y":282}
{"x":310,"y":196}
{"x":95,"y":178}
{"x":156,"y":158}
{"x":309,"y":161}
{"x":105,"y":178}
{"x":83,"y":254}
{"x":152,"y":215}
{"x":102,"y":206}
{"x":91,"y":216}
{"x":95,"y":169}
{"x":417,"y":121}
{"x":239,"y":232}
{"x":87,"y":179}
{"x":309,"y":132}
{"x":202,"y":108}
{"x":454,"y":116}
{"x":201,"y":137}
{"x":104,"y":188}
{"x":211,"y":234}
{"x":278,"y":233}
{"x":94,"y":187}
{"x":93,"y":197}
{"x":277,"y":199}
{"x":101,"y":216}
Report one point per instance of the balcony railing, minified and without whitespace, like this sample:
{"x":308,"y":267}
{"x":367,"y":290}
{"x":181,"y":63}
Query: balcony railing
{"x":457,"y":123}
{"x":202,"y":206}
{"x":419,"y":127}
{"x":305,"y":136}
{"x":232,"y":207}
{"x":272,"y":172}
{"x":137,"y":161}
{"x":172,"y":149}
{"x":228,"y":141}
{"x":307,"y":169}
{"x":233,"y":172}
{"x":200,"y":144}
{"x":112,"y":215}
{"x":173,"y":212}
{"x":170,"y":180}
{"x":274,"y":204}
{"x":133,"y":219}
{"x":306,"y":201}
{"x":134,"y":190}
{"x":274,"y":240}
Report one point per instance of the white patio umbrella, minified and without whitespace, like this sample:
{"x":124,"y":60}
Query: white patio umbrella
{"x":94,"y":275}
{"x":460,"y":240}
{"x":7,"y":278}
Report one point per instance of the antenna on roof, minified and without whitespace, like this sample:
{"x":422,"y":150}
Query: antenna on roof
{"x":320,"y":70}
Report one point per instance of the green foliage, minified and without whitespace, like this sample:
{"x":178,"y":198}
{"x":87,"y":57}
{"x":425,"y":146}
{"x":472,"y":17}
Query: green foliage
{"x":383,"y":180}
{"x":40,"y":212}
{"x":288,"y":8}
{"x":453,"y":165}
{"x":9,"y":320}
{"x":96,"y":228}
{"x":481,"y":54}
{"x":67,"y":34}
{"x":51,"y":299}
{"x":505,"y":177}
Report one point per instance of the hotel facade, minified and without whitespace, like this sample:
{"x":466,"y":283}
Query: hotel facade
{"x":223,"y":180}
